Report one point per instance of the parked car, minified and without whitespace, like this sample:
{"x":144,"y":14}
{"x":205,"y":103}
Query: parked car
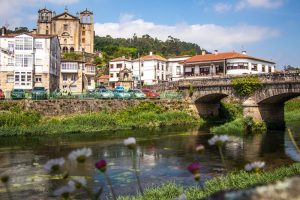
{"x":17,"y":94}
{"x":121,"y":94}
{"x":137,"y":94}
{"x":39,"y":93}
{"x":151,"y":94}
{"x":103,"y":94}
{"x":100,"y":87}
{"x":2,"y":95}
{"x":119,"y":88}
{"x":90,"y":93}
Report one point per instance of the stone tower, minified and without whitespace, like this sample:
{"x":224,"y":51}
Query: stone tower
{"x":75,"y":33}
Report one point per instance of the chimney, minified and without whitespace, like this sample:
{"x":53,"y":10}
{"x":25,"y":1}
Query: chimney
{"x":3,"y":31}
{"x":150,"y":53}
{"x":244,"y":52}
{"x":203,"y":52}
{"x":216,"y":52}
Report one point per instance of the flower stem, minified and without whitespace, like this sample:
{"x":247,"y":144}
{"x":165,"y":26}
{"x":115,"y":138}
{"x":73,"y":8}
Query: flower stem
{"x":110,"y":185}
{"x":222,"y":156}
{"x":8,"y":192}
{"x":136,"y":172}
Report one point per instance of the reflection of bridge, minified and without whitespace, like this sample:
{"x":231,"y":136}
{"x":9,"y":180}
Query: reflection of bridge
{"x":266,"y":104}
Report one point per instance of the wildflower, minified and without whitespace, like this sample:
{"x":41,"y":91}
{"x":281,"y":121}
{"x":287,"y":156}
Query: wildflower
{"x":194,"y":168}
{"x":80,"y":155}
{"x":218,"y":140}
{"x":255,"y":166}
{"x":54,"y":165}
{"x":4,"y":179}
{"x":64,"y":191}
{"x":78,"y":182}
{"x":200,"y":148}
{"x":130,"y":142}
{"x":101,"y":165}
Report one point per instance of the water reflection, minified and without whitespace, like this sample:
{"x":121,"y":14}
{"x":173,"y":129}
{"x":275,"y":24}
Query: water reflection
{"x":163,"y":156}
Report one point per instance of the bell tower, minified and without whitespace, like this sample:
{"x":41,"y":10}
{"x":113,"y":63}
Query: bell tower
{"x":44,"y":22}
{"x":87,"y":31}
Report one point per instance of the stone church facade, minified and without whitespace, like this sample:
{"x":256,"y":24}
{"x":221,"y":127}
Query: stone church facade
{"x":75,"y":32}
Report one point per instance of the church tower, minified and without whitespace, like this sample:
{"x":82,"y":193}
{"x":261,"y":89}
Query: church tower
{"x":44,"y":24}
{"x":87,"y":31}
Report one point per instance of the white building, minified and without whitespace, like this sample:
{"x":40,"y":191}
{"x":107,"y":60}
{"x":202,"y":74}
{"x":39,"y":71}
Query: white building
{"x":77,"y":76}
{"x":175,"y":67}
{"x":28,"y":60}
{"x":116,"y":66}
{"x":228,"y":63}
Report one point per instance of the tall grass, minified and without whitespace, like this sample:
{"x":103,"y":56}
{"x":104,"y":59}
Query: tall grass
{"x":234,"y":180}
{"x":145,"y":115}
{"x":292,"y":110}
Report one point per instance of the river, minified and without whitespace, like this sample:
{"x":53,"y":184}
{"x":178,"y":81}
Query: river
{"x":164,"y":155}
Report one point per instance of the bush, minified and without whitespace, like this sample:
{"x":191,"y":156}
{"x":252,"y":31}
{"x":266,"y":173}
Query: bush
{"x":229,"y":112}
{"x":246,"y":85}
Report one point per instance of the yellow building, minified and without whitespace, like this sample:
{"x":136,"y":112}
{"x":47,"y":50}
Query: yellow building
{"x":75,"y":33}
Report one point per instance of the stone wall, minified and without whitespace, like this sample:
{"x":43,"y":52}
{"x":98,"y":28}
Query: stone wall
{"x":71,"y":106}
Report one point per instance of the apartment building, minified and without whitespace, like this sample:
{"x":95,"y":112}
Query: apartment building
{"x":29,"y":60}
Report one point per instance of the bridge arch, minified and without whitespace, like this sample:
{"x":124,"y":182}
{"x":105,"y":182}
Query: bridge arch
{"x":208,"y":105}
{"x":268,"y":104}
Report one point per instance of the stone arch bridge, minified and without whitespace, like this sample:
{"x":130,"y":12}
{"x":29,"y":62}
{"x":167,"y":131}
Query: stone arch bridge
{"x":266,"y":104}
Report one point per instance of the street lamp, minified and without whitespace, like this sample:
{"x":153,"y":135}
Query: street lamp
{"x":140,"y":79}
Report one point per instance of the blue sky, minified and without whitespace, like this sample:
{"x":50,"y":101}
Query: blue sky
{"x":267,"y":29}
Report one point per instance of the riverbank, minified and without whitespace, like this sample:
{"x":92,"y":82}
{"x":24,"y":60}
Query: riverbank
{"x":145,"y":115}
{"x":236,"y":126}
{"x":234,"y":180}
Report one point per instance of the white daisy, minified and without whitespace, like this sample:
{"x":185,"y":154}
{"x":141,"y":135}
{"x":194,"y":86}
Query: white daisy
{"x":64,"y":191}
{"x":54,"y":165}
{"x":130,"y":142}
{"x":78,"y":182}
{"x":80,"y":155}
{"x":218,"y":140}
{"x":255,"y":166}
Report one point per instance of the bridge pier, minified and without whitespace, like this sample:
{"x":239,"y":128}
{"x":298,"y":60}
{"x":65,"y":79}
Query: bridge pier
{"x":271,"y":114}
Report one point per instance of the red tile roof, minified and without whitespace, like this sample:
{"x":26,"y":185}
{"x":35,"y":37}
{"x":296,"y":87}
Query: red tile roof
{"x":119,"y":59}
{"x":221,"y":57}
{"x":104,"y":77}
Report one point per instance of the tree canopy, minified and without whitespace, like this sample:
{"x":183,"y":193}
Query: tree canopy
{"x":130,"y":47}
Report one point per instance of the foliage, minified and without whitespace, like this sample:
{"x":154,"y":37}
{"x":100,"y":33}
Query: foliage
{"x":72,"y":56}
{"x":235,"y":127}
{"x":18,"y":30}
{"x":16,"y":118}
{"x":229,"y":111}
{"x":191,"y":91}
{"x":234,"y":180}
{"x":291,"y":68}
{"x":246,"y":85}
{"x":292,"y":110}
{"x":144,"y":115}
{"x":116,"y":47}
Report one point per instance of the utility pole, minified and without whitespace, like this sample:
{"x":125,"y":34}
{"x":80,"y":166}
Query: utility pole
{"x":140,"y":78}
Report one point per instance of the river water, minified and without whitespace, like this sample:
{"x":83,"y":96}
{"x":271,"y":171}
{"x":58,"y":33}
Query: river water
{"x":164,"y":155}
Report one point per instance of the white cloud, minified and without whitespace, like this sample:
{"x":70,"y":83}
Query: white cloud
{"x":210,"y":36}
{"x":222,"y":7}
{"x":12,"y":12}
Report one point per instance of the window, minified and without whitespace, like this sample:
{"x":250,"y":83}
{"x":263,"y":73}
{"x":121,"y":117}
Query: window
{"x":111,"y":75}
{"x":111,"y":66}
{"x":254,"y":67}
{"x":89,"y":81}
{"x":65,"y":27}
{"x":72,"y":49}
{"x":270,"y":69}
{"x":178,"y":70}
{"x":158,"y":66}
{"x":162,"y":67}
{"x":65,"y":49}
{"x":73,"y":77}
{"x":10,"y":78}
{"x":83,"y":33}
{"x":142,"y":74}
{"x":28,"y":44}
{"x":23,"y":60}
{"x":38,"y":45}
{"x":83,"y":40}
{"x":240,"y":65}
{"x":119,"y":65}
{"x":19,"y":44}
{"x":23,"y":78}
{"x":65,"y":77}
{"x":38,"y":61}
{"x":38,"y":79}
{"x":69,"y":66}
{"x":11,"y":46}
{"x":118,"y":75}
{"x":263,"y":68}
{"x":10,"y":62}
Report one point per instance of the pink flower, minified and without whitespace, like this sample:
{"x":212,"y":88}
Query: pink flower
{"x":101,"y":165}
{"x":194,"y":168}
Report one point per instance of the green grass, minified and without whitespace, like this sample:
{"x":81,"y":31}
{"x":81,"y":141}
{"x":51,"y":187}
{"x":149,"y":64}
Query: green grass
{"x":292,"y":110}
{"x":235,"y":127}
{"x":145,"y":115}
{"x":234,"y":180}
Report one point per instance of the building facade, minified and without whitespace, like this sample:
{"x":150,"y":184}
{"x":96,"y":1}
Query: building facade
{"x":175,"y":67}
{"x":77,"y":76}
{"x":228,"y":63}
{"x":120,"y":66}
{"x":75,"y":32}
{"x":29,"y":60}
